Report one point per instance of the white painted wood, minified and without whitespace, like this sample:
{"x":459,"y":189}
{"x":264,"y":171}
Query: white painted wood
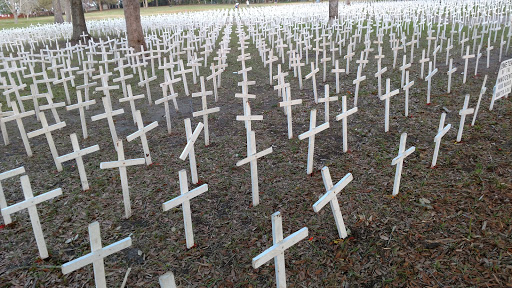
{"x":326,"y":101}
{"x":331,"y":197}
{"x":288,"y":103}
{"x":167,"y":280}
{"x":97,"y":255}
{"x":399,"y":162}
{"x":131,"y":99}
{"x":482,"y":92}
{"x":16,"y":115}
{"x":441,"y":131}
{"x":80,"y":106}
{"x":4,"y":114}
{"x":450,"y":72}
{"x":357,"y":82}
{"x":3,"y":203}
{"x":407,"y":86}
{"x":141,"y":133}
{"x":184,"y":200}
{"x":46,"y":130}
{"x":466,"y":59}
{"x":189,"y":148}
{"x":312,"y":75}
{"x":205,"y":112}
{"x":387,"y":97}
{"x":109,"y":114}
{"x":278,"y":248}
{"x":310,"y":134}
{"x":463,"y":113}
{"x":30,"y":203}
{"x":428,"y":78}
{"x":337,"y":72}
{"x":344,"y":116}
{"x":77,"y":155}
{"x":122,"y":163}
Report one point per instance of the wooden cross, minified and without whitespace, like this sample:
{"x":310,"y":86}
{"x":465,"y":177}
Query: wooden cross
{"x":466,"y":59}
{"x":399,"y":162}
{"x":213,"y":77}
{"x":30,"y":204}
{"x":183,"y":73}
{"x":448,"y":48}
{"x":80,"y":105}
{"x":2,"y":124}
{"x":463,"y":112}
{"x":98,"y":253}
{"x":146,"y":82}
{"x":387,"y":98}
{"x":482,"y":92}
{"x":184,"y":201}
{"x":450,"y":72}
{"x":428,"y":78}
{"x":277,"y":250}
{"x":313,"y":130}
{"x":349,"y":56}
{"x":422,"y":61}
{"x":122,"y":163}
{"x":46,"y":130}
{"x":3,"y":203}
{"x":478,"y":55}
{"x":288,"y":103}
{"x":166,"y":98}
{"x":489,"y":48}
{"x":167,"y":280}
{"x":77,"y":155}
{"x":52,"y":107}
{"x":105,"y":88}
{"x":337,"y":71}
{"x":205,"y":112}
{"x":326,"y":100}
{"x":344,"y":116}
{"x":357,"y":82}
{"x":109,"y":114}
{"x":131,"y":99}
{"x":330,"y":197}
{"x":407,"y":86}
{"x":440,"y":133}
{"x":16,"y":115}
{"x":142,"y":134}
{"x":271,"y":59}
{"x":188,"y":151}
{"x":403,"y":68}
{"x":122,"y":77}
{"x":313,"y":79}
{"x":438,"y":48}
{"x":379,"y":76}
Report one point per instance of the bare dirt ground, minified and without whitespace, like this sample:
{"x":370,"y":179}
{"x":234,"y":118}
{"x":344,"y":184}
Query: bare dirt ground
{"x":460,"y":237}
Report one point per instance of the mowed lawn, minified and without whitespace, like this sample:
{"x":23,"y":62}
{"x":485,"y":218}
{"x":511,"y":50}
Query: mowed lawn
{"x":118,"y":13}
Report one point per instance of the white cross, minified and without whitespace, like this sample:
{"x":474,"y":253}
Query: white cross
{"x":30,"y":204}
{"x":489,"y":48}
{"x":466,"y":59}
{"x":330,"y":197}
{"x":379,"y":76}
{"x":450,"y":72}
{"x":463,"y":112}
{"x":109,"y":114}
{"x":271,"y":59}
{"x":478,"y":55}
{"x":326,"y":101}
{"x":46,"y":130}
{"x":142,"y":134}
{"x":357,"y":82}
{"x":407,"y":86}
{"x":288,"y":103}
{"x":205,"y":112}
{"x":448,"y":48}
{"x":213,"y":77}
{"x":189,"y":148}
{"x":313,"y":130}
{"x":3,"y":176}
{"x":184,"y":200}
{"x":422,"y":61}
{"x":183,"y":72}
{"x":252,"y":157}
{"x":77,"y":155}
{"x":403,"y":68}
{"x":146,"y":82}
{"x":52,"y":106}
{"x":344,"y":116}
{"x":131,"y":99}
{"x":277,"y":250}
{"x":2,"y":124}
{"x":80,"y":106}
{"x":122,"y":163}
{"x":437,"y":139}
{"x":167,"y":280}
{"x":98,"y":253}
{"x":337,"y":71}
{"x":313,"y":79}
{"x":122,"y":77}
{"x":482,"y":92}
{"x":167,"y":97}
{"x":387,"y":98}
{"x":16,"y":115}
{"x":399,"y":162}
{"x":428,"y":78}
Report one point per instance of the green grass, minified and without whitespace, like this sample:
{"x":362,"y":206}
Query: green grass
{"x":118,"y":13}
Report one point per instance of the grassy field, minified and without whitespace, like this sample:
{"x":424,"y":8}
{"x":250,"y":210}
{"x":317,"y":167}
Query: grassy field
{"x":118,"y":13}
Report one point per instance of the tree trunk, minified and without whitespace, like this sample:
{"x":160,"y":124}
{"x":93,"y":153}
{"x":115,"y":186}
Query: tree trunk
{"x":333,"y":10}
{"x":67,"y":8}
{"x":347,"y":2}
{"x":133,"y":26}
{"x":79,"y":26}
{"x":100,"y":5}
{"x":156,"y":3}
{"x":15,"y":15}
{"x":57,"y":12}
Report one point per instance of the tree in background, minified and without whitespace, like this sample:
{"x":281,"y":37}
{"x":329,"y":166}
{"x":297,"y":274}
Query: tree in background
{"x":67,"y":9}
{"x":333,"y":10}
{"x":17,"y":7}
{"x":78,"y":18}
{"x":57,"y":12}
{"x":133,"y":26}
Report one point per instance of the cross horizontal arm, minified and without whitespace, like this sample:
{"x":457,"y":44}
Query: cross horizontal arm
{"x":12,"y":173}
{"x":442,"y":132}
{"x":31,"y":202}
{"x":403,"y":155}
{"x":185,"y":197}
{"x":191,"y":141}
{"x":204,"y":112}
{"x":279,"y":247}
{"x":314,"y":131}
{"x":96,"y":255}
{"x":254,"y":156}
{"x":77,"y":154}
{"x":327,"y":197}
{"x":123,"y":163}
{"x":141,"y":131}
